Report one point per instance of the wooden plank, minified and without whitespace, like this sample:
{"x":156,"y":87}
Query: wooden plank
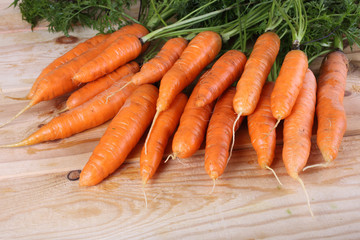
{"x":247,"y":202}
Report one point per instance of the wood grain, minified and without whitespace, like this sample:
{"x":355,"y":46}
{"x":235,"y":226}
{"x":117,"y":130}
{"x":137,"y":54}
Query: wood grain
{"x":39,"y":202}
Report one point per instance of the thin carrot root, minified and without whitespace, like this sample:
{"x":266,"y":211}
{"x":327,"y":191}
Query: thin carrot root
{"x":317,"y":165}
{"x":306,"y":194}
{"x":113,"y":93}
{"x":145,"y":197}
{"x":152,"y":125}
{"x":213,"y":187}
{"x":172,"y":156}
{"x":17,"y":115}
{"x":16,"y":98}
{"x":273,"y":172}
{"x":233,"y":138}
{"x":275,"y":126}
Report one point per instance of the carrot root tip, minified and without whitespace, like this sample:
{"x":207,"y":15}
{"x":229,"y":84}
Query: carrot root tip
{"x":17,"y":115}
{"x":317,"y":165}
{"x":274,"y":173}
{"x":145,"y":197}
{"x":150,"y":130}
{"x":213,"y":187}
{"x":233,"y":136}
{"x":172,"y":156}
{"x":306,"y":194}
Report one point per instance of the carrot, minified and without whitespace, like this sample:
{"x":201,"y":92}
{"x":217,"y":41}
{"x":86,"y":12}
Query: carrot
{"x":153,"y":70}
{"x":219,"y":134}
{"x":288,"y":83}
{"x":226,"y":70}
{"x":192,"y":128}
{"x":163,"y":129}
{"x":260,"y":123}
{"x":124,"y":49}
{"x":201,"y":50}
{"x":121,"y":136}
{"x":256,"y":70}
{"x":59,"y":81}
{"x":91,"y":89}
{"x":76,"y":51}
{"x":298,"y":130}
{"x":330,"y":110}
{"x":88,"y":115}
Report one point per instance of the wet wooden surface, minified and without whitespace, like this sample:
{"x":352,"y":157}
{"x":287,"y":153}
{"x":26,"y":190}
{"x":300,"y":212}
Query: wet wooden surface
{"x":38,"y":201}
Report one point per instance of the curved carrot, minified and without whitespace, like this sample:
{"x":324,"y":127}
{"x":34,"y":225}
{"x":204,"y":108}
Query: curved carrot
{"x":288,"y":83}
{"x":59,"y":81}
{"x":219,"y":134}
{"x":91,"y":89}
{"x":298,"y":128}
{"x":76,"y":51}
{"x":256,"y":71}
{"x":88,"y":115}
{"x":163,"y":129}
{"x":124,"y":49}
{"x":121,"y":136}
{"x":153,"y":70}
{"x":226,"y":70}
{"x":260,"y":124}
{"x":201,"y":50}
{"x":192,"y":128}
{"x":330,"y":110}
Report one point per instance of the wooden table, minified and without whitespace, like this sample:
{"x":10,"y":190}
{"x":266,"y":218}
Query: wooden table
{"x":39,"y":202}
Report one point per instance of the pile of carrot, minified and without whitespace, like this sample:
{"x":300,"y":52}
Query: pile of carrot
{"x":108,"y":84}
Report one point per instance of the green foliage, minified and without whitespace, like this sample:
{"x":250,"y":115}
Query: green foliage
{"x":102,"y":15}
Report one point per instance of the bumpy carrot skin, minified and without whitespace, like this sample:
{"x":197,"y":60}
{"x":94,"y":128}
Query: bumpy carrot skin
{"x":153,"y":70}
{"x":76,"y":51}
{"x":201,"y":50}
{"x":192,"y":128}
{"x":288,"y":83}
{"x":93,"y":88}
{"x":298,"y":128}
{"x":124,"y":49}
{"x":225,"y":71}
{"x":93,"y":113}
{"x":330,"y":110}
{"x":158,"y":139}
{"x":219,"y":134}
{"x":121,"y":136}
{"x":260,"y":124}
{"x":257,"y":69}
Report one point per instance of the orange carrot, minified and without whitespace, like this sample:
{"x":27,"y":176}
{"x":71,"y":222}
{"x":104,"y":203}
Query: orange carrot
{"x":88,"y":115}
{"x":226,"y":70}
{"x":59,"y":81}
{"x":121,"y":136}
{"x":219,"y":134}
{"x":257,"y":69}
{"x":91,"y":89}
{"x":192,"y":128}
{"x":163,"y":129}
{"x":124,"y":49}
{"x":330,"y":110}
{"x":260,"y":124}
{"x":288,"y":83}
{"x":153,"y":70}
{"x":298,"y":130}
{"x":76,"y":51}
{"x":201,"y":50}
